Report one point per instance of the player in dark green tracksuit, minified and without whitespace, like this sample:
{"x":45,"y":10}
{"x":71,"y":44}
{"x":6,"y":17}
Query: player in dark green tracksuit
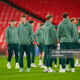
{"x":25,"y":38}
{"x":65,"y":34}
{"x":39,"y":40}
{"x":32,"y":49}
{"x":50,"y":41}
{"x":76,"y":37}
{"x":12,"y":42}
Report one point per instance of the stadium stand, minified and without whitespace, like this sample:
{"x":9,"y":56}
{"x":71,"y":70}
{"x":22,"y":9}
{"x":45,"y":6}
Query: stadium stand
{"x":40,"y":8}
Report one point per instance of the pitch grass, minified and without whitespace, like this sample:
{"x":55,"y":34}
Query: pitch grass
{"x":35,"y":74}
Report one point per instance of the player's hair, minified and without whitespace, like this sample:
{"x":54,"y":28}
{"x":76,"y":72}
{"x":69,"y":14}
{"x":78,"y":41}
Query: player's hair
{"x":49,"y":16}
{"x":23,"y":16}
{"x":65,"y":15}
{"x":31,"y":22}
{"x":72,"y":19}
{"x":41,"y":24}
{"x":12,"y":20}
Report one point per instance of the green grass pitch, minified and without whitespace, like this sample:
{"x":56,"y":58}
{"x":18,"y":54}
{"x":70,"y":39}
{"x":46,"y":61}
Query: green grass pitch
{"x":35,"y":74}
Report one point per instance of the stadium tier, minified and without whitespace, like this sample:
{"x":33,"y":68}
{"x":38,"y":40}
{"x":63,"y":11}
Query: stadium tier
{"x":55,"y":7}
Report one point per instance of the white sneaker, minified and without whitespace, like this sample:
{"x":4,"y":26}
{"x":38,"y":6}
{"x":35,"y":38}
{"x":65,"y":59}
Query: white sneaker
{"x":40,"y":64}
{"x":72,"y":70}
{"x":45,"y":70}
{"x":51,"y":70}
{"x":55,"y":66}
{"x":43,"y":66}
{"x":77,"y":65}
{"x":60,"y":67}
{"x":8,"y":66}
{"x":33,"y":65}
{"x":21,"y":69}
{"x":67,"y":69}
{"x":62,"y":70}
{"x":17,"y":66}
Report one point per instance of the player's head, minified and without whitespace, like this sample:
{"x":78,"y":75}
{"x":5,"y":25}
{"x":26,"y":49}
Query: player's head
{"x":12,"y":22}
{"x":65,"y":16}
{"x":41,"y":25}
{"x":73,"y":20}
{"x":49,"y":17}
{"x":23,"y":18}
{"x":31,"y":22}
